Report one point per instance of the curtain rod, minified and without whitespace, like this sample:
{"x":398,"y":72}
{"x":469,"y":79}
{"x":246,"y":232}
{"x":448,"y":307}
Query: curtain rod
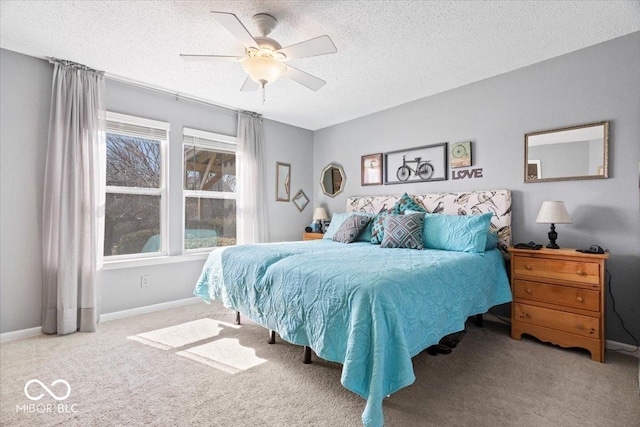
{"x":178,"y":95}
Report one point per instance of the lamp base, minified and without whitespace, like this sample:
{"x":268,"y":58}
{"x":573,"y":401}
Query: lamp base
{"x":552,"y":238}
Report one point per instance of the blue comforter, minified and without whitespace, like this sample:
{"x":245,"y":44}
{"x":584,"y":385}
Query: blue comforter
{"x":370,"y":308}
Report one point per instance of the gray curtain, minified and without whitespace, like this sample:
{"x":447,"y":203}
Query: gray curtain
{"x":70,"y":223}
{"x":252,"y":198}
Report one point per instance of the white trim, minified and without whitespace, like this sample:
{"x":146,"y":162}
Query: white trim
{"x":209,"y":135}
{"x":23,"y":333}
{"x":629,"y":349}
{"x":156,"y":260}
{"x":139,"y":121}
{"x":138,"y":191}
{"x":148,"y":309}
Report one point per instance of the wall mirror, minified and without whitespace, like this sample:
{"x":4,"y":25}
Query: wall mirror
{"x":332,"y":180}
{"x":283,"y":181}
{"x":577,"y":152}
{"x":300,"y":200}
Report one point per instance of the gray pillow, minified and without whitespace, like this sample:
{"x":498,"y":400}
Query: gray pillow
{"x":351,"y":228}
{"x":403,"y":231}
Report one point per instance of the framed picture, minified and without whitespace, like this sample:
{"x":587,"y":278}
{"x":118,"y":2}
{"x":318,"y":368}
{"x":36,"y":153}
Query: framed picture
{"x":460,"y":154}
{"x":283,"y":182}
{"x":371,"y":167}
{"x":421,"y":164}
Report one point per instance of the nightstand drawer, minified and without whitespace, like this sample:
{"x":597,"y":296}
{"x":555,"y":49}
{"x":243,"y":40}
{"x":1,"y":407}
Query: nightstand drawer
{"x":555,"y":294}
{"x":569,"y":322}
{"x":572,"y":271}
{"x":312,"y":236}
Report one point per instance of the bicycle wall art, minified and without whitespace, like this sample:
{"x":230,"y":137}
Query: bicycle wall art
{"x":420,"y":164}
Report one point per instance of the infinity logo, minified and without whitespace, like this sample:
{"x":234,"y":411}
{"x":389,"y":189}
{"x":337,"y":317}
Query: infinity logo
{"x":52,"y":394}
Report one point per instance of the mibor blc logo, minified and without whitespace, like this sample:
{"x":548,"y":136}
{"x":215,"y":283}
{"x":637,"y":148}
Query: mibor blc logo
{"x":35,"y":390}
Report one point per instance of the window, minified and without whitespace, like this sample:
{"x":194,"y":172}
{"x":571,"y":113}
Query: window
{"x":209,"y":190}
{"x":136,"y":191}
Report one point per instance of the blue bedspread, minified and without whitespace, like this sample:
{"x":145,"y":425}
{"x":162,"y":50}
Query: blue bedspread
{"x":370,"y":308}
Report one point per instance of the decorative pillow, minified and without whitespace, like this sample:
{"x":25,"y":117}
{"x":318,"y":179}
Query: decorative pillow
{"x":406,"y":202}
{"x":492,"y":241}
{"x":377,"y":226}
{"x":461,"y":233}
{"x":351,"y":228}
{"x":336,"y":221}
{"x":403,"y":231}
{"x":365,"y":236}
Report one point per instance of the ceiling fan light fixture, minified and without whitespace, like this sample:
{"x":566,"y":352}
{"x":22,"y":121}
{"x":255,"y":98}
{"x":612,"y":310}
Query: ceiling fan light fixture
{"x":263,"y":69}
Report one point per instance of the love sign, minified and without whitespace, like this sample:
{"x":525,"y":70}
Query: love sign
{"x":467,"y":173}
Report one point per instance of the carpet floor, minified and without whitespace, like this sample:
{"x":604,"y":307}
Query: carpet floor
{"x":192,"y":366}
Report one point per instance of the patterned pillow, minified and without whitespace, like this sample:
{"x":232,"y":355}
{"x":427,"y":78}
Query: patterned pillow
{"x":377,"y":227}
{"x":336,"y":221}
{"x":406,"y":202}
{"x":403,"y":231}
{"x":351,"y":229}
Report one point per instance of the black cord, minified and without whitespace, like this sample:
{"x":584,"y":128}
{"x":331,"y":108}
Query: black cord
{"x":613,"y":301}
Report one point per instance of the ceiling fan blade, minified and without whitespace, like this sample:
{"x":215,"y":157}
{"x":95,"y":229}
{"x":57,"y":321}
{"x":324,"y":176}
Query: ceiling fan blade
{"x":319,"y":46}
{"x":209,"y":58}
{"x":235,"y":27}
{"x":305,"y":79}
{"x":249,"y":85}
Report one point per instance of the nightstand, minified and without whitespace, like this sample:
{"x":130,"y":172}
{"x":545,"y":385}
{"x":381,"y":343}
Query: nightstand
{"x":312,"y":236}
{"x":558,"y":297}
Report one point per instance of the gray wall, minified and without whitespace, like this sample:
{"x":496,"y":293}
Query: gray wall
{"x":26,"y":94}
{"x":594,"y":84}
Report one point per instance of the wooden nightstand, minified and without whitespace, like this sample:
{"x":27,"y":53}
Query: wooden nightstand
{"x":558,"y":297}
{"x":312,"y":236}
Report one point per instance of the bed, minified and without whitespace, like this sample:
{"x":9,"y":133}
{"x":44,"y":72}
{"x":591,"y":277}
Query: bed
{"x":369,"y":308}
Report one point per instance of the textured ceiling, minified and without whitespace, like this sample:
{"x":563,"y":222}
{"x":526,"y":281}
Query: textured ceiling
{"x":389,"y":52}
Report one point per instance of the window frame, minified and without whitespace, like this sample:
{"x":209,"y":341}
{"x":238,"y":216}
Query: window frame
{"x":162,"y":191}
{"x":207,"y":141}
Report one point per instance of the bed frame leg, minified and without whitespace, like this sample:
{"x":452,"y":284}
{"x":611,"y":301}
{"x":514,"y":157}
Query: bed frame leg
{"x":272,"y":337}
{"x":307,"y":355}
{"x":237,"y":317}
{"x":479,"y":323}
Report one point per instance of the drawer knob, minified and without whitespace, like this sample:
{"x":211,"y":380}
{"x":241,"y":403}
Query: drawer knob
{"x":528,"y":291}
{"x":579,"y":299}
{"x":528,"y":267}
{"x":579,"y":272}
{"x":580,"y":327}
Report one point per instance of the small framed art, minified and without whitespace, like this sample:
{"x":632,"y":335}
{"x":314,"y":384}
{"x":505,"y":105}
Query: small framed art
{"x":460,"y":154}
{"x":371,"y":167}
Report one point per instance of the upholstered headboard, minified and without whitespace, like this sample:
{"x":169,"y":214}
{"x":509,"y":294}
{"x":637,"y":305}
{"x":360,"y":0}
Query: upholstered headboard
{"x":497,"y":202}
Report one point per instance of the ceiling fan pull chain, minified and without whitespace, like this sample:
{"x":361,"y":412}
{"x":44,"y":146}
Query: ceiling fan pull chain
{"x":263,"y":92}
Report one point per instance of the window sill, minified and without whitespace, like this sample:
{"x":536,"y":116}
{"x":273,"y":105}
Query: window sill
{"x":161,"y":260}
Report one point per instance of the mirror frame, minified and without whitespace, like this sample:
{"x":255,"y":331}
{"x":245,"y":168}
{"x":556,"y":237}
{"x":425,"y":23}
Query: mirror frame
{"x":286,"y":184}
{"x":344,"y":179}
{"x":300,"y":205}
{"x":605,"y":172}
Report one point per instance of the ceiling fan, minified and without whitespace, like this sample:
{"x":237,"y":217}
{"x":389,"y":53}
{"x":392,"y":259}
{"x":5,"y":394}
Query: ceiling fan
{"x":264,"y":57}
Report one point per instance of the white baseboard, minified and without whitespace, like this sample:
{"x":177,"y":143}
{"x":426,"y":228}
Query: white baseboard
{"x":629,"y":349}
{"x":23,"y":333}
{"x":32,"y":332}
{"x":148,"y":309}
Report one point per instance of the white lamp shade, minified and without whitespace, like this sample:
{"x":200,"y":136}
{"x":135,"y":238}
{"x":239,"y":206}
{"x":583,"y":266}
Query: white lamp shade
{"x":553,"y":213}
{"x":263,"y":69}
{"x":320,"y":213}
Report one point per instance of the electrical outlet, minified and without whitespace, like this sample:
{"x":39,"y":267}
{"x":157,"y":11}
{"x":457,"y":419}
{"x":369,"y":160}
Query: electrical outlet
{"x":145,"y":281}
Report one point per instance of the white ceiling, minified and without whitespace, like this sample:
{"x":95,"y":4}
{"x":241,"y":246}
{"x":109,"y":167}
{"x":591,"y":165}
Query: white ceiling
{"x":389,"y":52}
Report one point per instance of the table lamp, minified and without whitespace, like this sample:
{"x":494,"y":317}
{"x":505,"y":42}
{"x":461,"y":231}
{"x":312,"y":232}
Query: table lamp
{"x":553,"y":213}
{"x":320,"y":214}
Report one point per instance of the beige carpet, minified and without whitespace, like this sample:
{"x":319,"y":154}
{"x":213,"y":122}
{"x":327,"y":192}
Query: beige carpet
{"x":192,"y":366}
